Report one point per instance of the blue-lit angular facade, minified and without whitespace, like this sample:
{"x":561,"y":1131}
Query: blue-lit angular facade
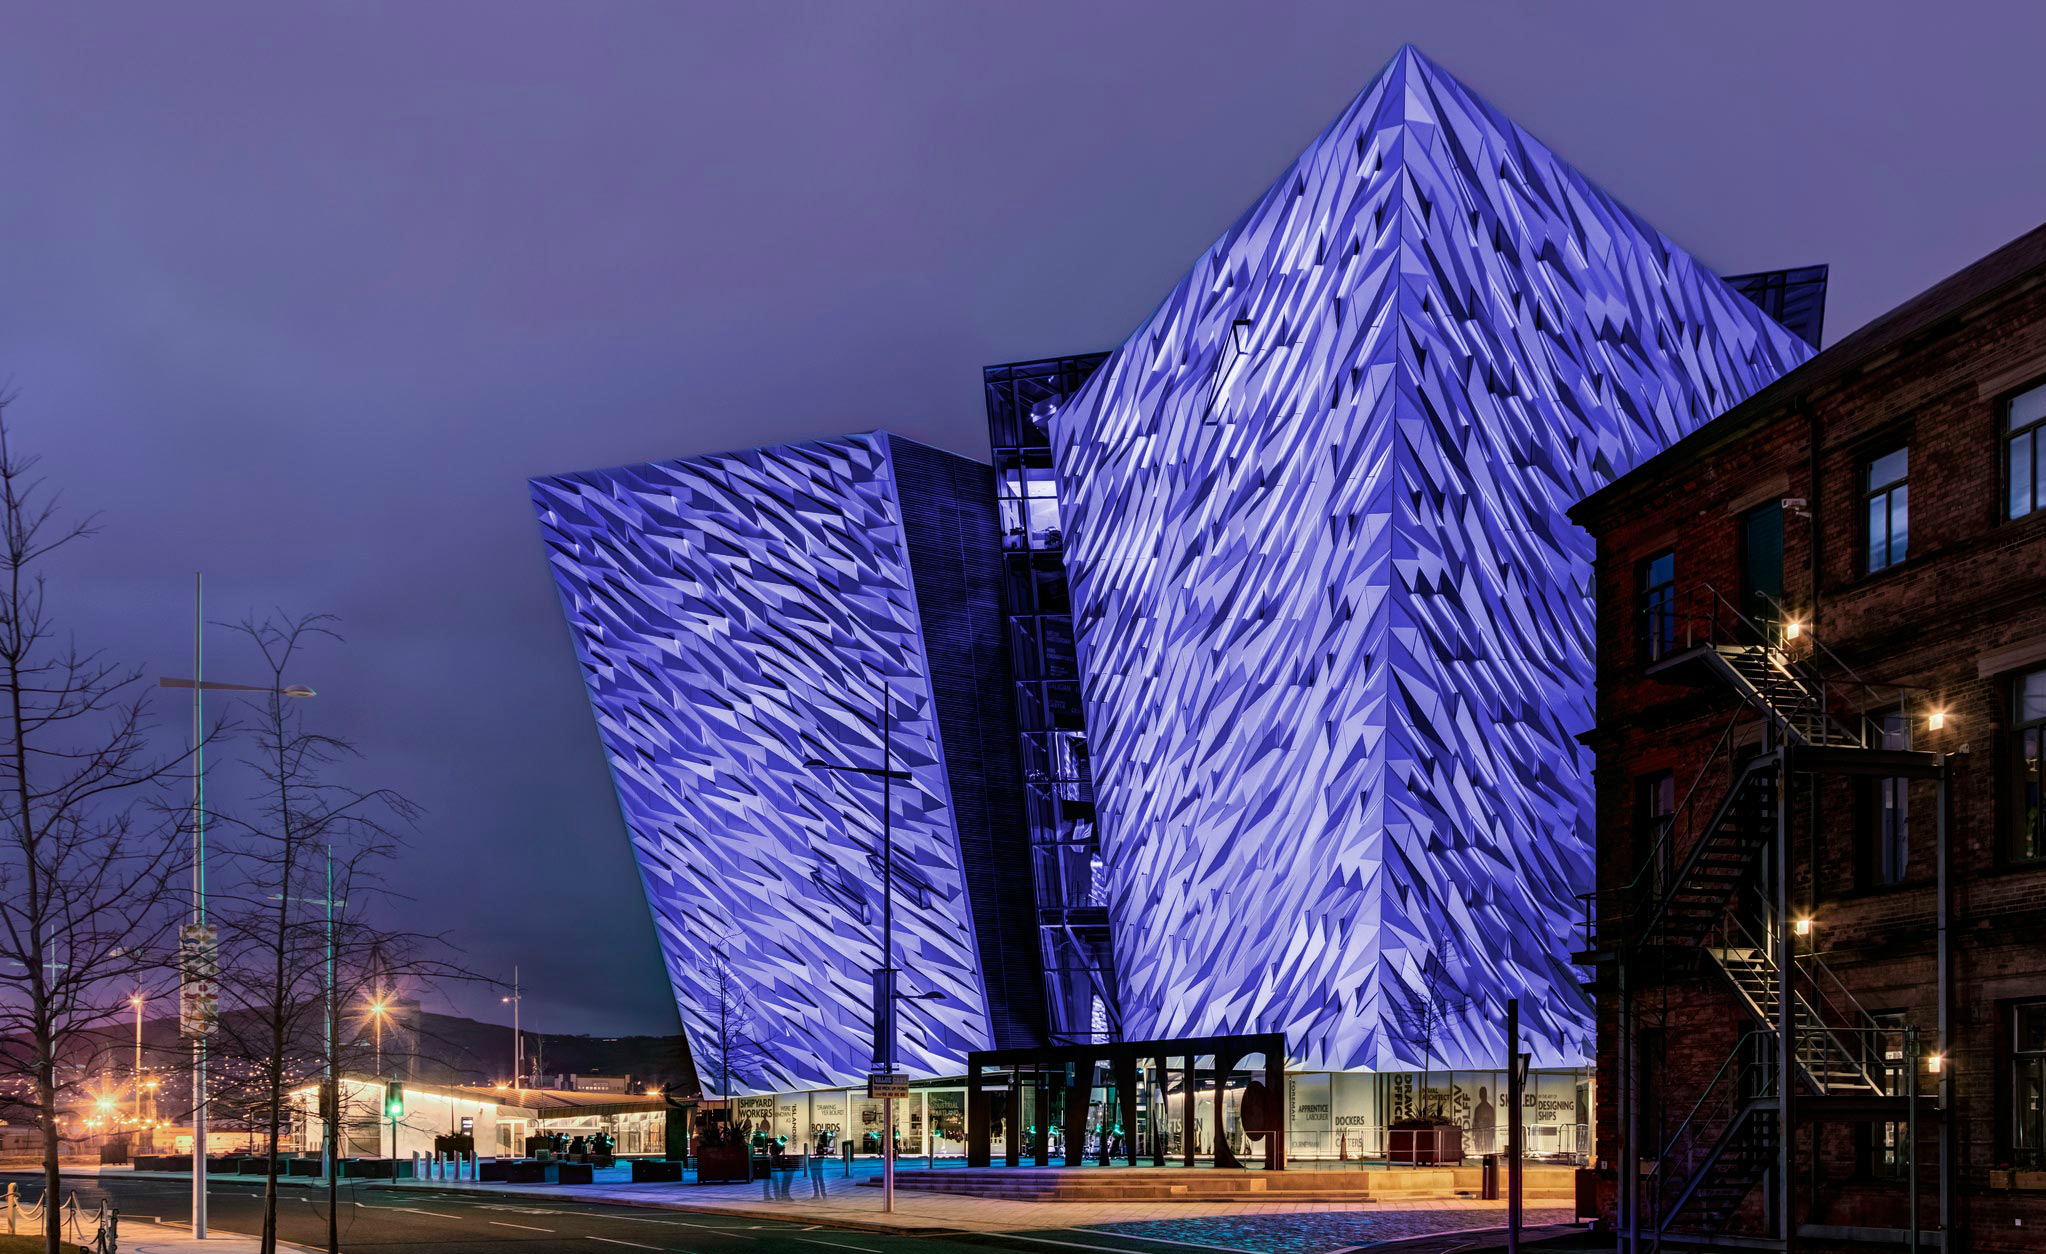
{"x":735,"y":616}
{"x":1334,"y":629}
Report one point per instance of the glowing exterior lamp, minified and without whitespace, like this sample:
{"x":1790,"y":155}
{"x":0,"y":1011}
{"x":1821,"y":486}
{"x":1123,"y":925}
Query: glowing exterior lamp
{"x":1936,"y":721}
{"x":1793,"y":629}
{"x":1802,"y":925}
{"x":1935,"y":1063}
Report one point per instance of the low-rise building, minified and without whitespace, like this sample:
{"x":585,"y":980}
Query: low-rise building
{"x":1821,"y":860}
{"x":498,"y":1118}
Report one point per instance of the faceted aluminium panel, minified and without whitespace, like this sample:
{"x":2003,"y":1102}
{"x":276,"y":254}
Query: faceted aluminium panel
{"x":736,"y":615}
{"x":1334,"y":627}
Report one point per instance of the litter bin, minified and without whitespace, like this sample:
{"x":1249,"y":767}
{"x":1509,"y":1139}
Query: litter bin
{"x":1488,"y":1178}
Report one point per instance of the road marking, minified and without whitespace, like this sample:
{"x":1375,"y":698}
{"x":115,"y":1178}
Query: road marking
{"x":413,"y":1210}
{"x":528,"y":1227}
{"x":1077,"y":1245}
{"x":634,"y":1244}
{"x":1196,"y":1245}
{"x":840,"y":1244}
{"x":730,"y":1232}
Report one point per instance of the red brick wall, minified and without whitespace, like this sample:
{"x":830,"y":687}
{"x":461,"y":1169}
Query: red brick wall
{"x":1972,"y":585}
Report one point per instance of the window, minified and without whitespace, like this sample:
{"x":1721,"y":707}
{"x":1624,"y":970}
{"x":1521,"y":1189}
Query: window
{"x":1762,"y":562}
{"x":1886,"y":503}
{"x":2028,"y":1084}
{"x":2028,"y":826}
{"x":2025,"y":451}
{"x":1888,"y":825}
{"x":1655,"y":804}
{"x":1659,"y":606}
{"x":1882,"y":1056}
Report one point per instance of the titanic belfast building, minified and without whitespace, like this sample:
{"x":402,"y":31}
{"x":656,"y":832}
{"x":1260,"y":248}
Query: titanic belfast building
{"x":1238,"y":698}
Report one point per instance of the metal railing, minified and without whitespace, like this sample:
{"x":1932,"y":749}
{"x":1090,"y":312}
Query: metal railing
{"x":1745,"y":1075}
{"x":1685,"y":818}
{"x":1816,"y":1043}
{"x":1701,"y":615}
{"x":99,"y":1228}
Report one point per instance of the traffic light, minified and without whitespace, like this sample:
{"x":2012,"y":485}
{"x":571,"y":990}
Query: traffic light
{"x":394,"y":1100}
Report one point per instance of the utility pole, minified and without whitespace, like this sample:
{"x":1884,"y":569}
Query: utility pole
{"x":884,"y":978}
{"x":1516,"y":1087}
{"x":198,"y":1000}
{"x":136,"y":1001}
{"x":331,"y":1107}
{"x":518,"y":1040}
{"x":198,"y":902}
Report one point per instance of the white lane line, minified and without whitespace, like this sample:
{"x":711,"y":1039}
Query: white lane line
{"x":730,"y":1232}
{"x":634,"y":1244}
{"x":431,"y":1214}
{"x":1076,"y":1245}
{"x":840,"y":1244}
{"x":1196,"y":1245}
{"x":528,"y":1227}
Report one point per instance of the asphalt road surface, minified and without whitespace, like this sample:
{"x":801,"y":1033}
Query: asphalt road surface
{"x":418,"y":1221}
{"x":374,"y":1221}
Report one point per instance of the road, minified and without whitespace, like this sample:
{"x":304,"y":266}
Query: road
{"x":413,"y":1221}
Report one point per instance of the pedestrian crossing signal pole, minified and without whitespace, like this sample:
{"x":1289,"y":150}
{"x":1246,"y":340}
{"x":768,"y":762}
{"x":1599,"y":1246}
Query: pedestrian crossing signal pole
{"x":1516,"y":1088}
{"x":394,"y":1110}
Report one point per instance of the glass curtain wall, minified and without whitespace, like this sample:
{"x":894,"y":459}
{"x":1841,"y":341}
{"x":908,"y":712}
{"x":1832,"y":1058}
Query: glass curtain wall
{"x":1072,"y":911}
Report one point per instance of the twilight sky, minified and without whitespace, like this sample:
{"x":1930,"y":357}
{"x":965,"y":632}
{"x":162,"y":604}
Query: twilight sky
{"x":302,"y":294}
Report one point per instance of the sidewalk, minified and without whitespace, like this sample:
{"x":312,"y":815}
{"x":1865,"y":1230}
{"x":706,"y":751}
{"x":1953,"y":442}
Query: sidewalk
{"x":142,"y":1237}
{"x":848,"y":1204}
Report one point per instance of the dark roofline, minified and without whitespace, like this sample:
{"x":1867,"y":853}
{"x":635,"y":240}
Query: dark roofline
{"x":2023,"y":259}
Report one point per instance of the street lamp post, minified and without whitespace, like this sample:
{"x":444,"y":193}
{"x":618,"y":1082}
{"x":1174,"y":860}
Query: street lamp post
{"x":518,"y":1040}
{"x":199,"y":953}
{"x":376,"y":1014}
{"x":884,"y":978}
{"x":136,"y":1001}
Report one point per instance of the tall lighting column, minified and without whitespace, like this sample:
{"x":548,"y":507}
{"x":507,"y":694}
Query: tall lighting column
{"x":196,"y":954}
{"x":884,"y":978}
{"x":518,"y":1039}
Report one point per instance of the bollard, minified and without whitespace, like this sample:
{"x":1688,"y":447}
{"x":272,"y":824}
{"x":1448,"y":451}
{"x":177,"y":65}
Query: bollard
{"x":12,"y":1202}
{"x":1488,"y":1178}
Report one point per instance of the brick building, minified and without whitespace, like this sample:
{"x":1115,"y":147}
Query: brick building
{"x":1821,"y":701}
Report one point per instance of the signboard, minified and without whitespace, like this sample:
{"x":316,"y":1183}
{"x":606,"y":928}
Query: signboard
{"x":199,"y":993}
{"x":880,"y":1087}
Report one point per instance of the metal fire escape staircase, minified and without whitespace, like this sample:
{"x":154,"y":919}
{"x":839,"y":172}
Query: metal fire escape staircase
{"x":1711,"y":909}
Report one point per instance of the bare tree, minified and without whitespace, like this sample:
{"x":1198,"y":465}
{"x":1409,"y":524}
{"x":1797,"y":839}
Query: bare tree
{"x":301,"y":934}
{"x":87,"y":870}
{"x":734,"y":1047}
{"x":1423,"y":1014}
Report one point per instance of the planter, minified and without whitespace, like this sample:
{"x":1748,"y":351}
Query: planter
{"x":1425,"y":1143}
{"x":2028,"y":1179}
{"x":656,"y":1171}
{"x":724,"y":1164}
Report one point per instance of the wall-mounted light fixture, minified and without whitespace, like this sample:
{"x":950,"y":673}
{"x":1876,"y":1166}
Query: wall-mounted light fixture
{"x":1936,"y":720}
{"x":1793,"y":629}
{"x":1801,"y":925}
